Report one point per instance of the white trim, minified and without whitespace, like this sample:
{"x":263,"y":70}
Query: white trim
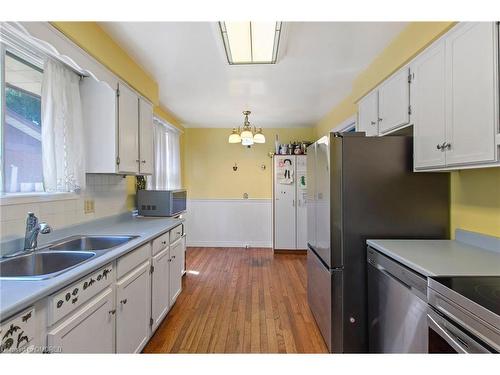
{"x":166,"y":124}
{"x":346,"y":125}
{"x":21,"y":198}
{"x":240,"y":244}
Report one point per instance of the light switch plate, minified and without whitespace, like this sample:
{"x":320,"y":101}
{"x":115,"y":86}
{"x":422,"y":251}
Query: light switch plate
{"x":88,"y":206}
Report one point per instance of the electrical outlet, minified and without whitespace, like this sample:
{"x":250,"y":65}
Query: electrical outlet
{"x":88,"y":206}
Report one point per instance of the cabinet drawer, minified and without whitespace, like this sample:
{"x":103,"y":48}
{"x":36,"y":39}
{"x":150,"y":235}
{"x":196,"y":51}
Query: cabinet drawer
{"x":17,"y":332}
{"x":176,"y":233}
{"x":128,"y":262}
{"x":160,"y":243}
{"x":70,"y":298}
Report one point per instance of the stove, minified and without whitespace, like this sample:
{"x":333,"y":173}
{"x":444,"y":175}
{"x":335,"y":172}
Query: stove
{"x":465,"y":312}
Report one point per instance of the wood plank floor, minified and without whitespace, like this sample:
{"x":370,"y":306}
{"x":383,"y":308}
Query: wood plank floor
{"x":238,"y":300}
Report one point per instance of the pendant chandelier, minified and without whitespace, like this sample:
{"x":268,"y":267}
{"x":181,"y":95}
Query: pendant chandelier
{"x":245,"y":135}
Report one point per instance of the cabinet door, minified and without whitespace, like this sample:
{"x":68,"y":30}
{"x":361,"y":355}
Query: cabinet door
{"x":368,"y":114}
{"x":394,"y":102}
{"x":133,"y":310}
{"x":176,"y":266}
{"x":183,"y":254}
{"x":128,"y":130}
{"x":89,"y":330}
{"x":145,"y":137}
{"x":284,"y":202}
{"x":471,"y":55}
{"x":429,"y":107}
{"x":301,"y":211}
{"x":160,"y":298}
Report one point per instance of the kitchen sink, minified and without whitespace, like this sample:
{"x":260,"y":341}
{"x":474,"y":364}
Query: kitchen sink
{"x":42,"y":264}
{"x":90,"y":243}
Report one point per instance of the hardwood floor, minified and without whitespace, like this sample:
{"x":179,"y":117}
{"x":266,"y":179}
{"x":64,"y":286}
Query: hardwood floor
{"x":238,"y":300}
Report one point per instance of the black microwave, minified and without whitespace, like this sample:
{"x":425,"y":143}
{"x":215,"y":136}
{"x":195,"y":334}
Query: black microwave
{"x":161,"y":202}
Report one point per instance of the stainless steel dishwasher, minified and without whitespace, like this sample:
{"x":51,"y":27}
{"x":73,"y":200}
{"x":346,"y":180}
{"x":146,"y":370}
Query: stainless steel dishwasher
{"x":397,"y":307}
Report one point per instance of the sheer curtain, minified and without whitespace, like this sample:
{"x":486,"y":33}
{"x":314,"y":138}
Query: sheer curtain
{"x":62,"y":129}
{"x":167,"y":165}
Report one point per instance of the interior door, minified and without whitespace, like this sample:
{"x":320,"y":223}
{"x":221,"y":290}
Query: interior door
{"x":284,"y":202}
{"x":301,"y":194}
{"x":429,"y":105}
{"x":368,"y":114}
{"x":146,"y":137}
{"x":89,"y":330}
{"x":176,"y":266}
{"x":160,"y":298}
{"x":128,"y":130}
{"x":472,"y":93}
{"x":394,"y":102}
{"x":132,"y":310}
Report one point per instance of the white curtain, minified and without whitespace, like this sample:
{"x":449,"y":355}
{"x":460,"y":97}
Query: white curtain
{"x":62,"y":129}
{"x":167,"y":171}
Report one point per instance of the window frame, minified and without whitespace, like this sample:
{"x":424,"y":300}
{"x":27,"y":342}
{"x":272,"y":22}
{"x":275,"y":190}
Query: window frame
{"x":6,"y":198}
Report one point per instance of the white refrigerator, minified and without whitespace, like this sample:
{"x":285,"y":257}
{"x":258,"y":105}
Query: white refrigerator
{"x":289,"y":202}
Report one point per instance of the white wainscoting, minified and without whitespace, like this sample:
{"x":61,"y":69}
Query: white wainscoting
{"x":229,"y":222}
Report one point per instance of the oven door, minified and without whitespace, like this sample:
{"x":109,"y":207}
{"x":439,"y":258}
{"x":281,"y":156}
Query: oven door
{"x":447,"y":337}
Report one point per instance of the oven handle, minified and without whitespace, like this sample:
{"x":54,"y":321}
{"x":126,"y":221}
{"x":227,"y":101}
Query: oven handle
{"x":446,"y":335}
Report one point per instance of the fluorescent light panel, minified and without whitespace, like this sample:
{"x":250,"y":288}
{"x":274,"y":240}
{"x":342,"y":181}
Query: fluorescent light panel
{"x":251,"y":42}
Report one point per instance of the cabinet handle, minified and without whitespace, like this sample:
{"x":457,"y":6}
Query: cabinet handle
{"x":112,"y":312}
{"x":373,"y":122}
{"x":137,"y":160}
{"x":143,"y":161}
{"x":163,"y":242}
{"x":446,"y":145}
{"x":439,"y":147}
{"x":173,"y":256}
{"x":380,"y":119}
{"x":123,"y":301}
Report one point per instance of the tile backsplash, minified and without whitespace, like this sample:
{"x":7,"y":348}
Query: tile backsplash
{"x":109,"y":193}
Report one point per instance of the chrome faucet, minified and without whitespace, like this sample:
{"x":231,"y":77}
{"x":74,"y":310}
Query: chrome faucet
{"x":33,"y":228}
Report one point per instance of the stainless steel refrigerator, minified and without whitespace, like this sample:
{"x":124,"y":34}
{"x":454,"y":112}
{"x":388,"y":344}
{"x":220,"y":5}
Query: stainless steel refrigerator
{"x":358,"y":188}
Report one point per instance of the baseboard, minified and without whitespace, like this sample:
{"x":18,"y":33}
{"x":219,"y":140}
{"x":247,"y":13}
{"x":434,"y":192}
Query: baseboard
{"x":228,"y":244}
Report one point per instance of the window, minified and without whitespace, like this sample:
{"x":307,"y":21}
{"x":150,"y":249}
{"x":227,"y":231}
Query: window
{"x":21,"y":125}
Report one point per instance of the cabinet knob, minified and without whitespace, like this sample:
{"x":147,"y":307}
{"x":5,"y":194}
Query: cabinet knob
{"x":123,"y":301}
{"x":373,"y":122}
{"x":143,"y":161}
{"x":137,"y":160}
{"x":439,"y":147}
{"x":112,"y":312}
{"x":380,"y":119}
{"x":446,"y":145}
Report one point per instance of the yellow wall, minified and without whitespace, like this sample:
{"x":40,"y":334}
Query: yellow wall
{"x":413,"y":39}
{"x":475,"y":200}
{"x":95,"y":41}
{"x":209,"y":161}
{"x":475,"y":194}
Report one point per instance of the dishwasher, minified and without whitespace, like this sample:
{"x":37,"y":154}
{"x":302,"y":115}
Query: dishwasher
{"x":397,"y":306}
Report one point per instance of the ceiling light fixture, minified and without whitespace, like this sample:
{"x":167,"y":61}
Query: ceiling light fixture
{"x":251,"y":42}
{"x":246,"y":135}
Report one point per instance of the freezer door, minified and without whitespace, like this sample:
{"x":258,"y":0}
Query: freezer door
{"x":324,"y":295}
{"x":311,"y":195}
{"x":322,"y":174}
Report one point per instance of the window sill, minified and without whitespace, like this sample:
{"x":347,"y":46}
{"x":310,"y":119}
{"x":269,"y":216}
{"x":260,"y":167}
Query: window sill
{"x":20,"y":198}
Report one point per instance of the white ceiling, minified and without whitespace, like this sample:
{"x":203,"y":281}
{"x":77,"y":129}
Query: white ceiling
{"x":317,"y":64}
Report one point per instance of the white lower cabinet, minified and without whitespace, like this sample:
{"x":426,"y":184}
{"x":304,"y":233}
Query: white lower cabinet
{"x":89,"y":330}
{"x":160,"y":280}
{"x":133,"y":310}
{"x":176,"y":266}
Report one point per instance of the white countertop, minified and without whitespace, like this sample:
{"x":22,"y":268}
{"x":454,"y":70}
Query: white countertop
{"x":16,"y":295}
{"x":441,"y":257}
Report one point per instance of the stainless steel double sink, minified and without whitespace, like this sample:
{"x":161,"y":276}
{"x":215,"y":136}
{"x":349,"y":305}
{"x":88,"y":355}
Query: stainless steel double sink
{"x":54,"y":259}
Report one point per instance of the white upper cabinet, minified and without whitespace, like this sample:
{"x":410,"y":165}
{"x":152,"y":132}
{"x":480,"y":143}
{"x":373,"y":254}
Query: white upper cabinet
{"x":394,"y":102}
{"x":455,"y":99}
{"x":429,"y":107}
{"x":472,"y":93}
{"x":145,"y":137}
{"x":118,"y":129}
{"x":368,"y":114}
{"x":128,"y":133}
